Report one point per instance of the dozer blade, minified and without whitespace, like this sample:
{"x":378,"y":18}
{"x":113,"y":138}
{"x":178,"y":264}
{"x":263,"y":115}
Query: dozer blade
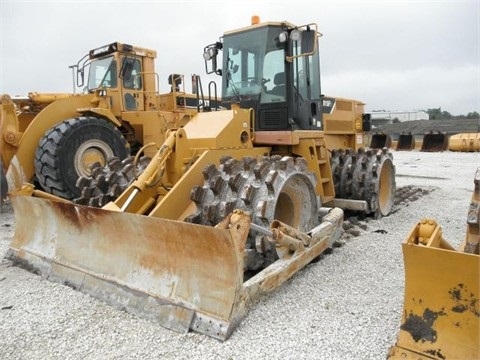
{"x":434,"y":142}
{"x":405,"y":142}
{"x":380,"y":141}
{"x":180,"y":275}
{"x":441,"y":317}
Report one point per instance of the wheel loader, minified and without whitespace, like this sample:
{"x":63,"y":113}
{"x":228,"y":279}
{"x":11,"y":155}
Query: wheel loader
{"x":55,"y":138}
{"x":441,"y":316}
{"x":232,"y":204}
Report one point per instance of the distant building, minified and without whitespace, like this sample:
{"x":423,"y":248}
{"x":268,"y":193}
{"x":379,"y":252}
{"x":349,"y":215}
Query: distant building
{"x":379,"y":118}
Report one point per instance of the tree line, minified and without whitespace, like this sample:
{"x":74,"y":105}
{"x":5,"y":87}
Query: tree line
{"x":438,"y":114}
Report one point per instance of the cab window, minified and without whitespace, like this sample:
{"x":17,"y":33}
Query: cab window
{"x":134,"y":81}
{"x":103,"y":73}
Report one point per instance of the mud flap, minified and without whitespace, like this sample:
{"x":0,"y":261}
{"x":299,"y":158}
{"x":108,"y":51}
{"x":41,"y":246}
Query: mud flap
{"x":181,"y":275}
{"x":441,"y":317}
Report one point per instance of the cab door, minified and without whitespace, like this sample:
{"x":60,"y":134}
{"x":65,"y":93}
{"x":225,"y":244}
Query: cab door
{"x":132,"y":84}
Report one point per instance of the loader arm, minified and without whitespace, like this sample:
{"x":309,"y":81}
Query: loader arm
{"x":143,"y":192}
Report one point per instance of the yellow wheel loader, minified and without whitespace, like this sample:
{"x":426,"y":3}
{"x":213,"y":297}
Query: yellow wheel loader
{"x":441,"y":316}
{"x":55,"y":138}
{"x":232,"y":204}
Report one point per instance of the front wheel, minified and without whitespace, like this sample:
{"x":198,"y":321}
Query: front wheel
{"x":271,"y":188}
{"x":68,"y":151}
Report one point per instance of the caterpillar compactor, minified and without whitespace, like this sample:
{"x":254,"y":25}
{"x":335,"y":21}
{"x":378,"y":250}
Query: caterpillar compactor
{"x":232,"y":205}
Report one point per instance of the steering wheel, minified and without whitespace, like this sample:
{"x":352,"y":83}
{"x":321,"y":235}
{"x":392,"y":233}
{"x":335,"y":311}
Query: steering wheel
{"x":254,"y":80}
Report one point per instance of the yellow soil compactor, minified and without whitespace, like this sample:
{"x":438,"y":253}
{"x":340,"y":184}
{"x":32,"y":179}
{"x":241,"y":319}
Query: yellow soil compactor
{"x":231,"y":205}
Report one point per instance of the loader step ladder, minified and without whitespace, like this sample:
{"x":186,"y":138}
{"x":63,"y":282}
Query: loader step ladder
{"x":325,"y":180}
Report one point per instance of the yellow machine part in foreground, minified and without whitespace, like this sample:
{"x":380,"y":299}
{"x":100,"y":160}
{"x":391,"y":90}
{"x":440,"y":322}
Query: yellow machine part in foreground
{"x":441,"y":317}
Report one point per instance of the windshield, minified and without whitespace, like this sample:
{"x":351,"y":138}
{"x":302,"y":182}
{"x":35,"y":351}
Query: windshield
{"x":254,"y":64}
{"x":102,"y":73}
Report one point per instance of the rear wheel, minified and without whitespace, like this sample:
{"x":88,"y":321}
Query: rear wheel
{"x":69,"y":150}
{"x":365,"y":175}
{"x":270,"y":188}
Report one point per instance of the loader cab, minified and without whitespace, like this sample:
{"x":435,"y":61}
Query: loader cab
{"x":274,"y":69}
{"x":103,"y":73}
{"x":99,"y":69}
{"x":123,"y":72}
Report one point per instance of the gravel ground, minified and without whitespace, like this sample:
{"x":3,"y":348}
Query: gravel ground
{"x":347,"y":306}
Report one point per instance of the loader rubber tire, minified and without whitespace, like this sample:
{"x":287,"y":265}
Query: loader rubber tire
{"x":68,"y":150}
{"x":271,"y":188}
{"x":367,"y":175}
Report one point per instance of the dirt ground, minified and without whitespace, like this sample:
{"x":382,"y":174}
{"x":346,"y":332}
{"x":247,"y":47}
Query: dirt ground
{"x":347,"y":305}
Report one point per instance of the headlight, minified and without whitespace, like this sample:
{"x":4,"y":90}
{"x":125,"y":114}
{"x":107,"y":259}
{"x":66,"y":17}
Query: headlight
{"x":210,"y":53}
{"x":283,"y":37}
{"x":295,"y":35}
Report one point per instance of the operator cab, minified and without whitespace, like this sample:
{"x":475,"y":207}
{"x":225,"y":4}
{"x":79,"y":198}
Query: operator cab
{"x":118,"y":70}
{"x":274,"y":69}
{"x":102,"y":65}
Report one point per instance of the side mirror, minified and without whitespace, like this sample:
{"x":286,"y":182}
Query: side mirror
{"x":309,"y":41}
{"x":80,"y":77}
{"x":174,"y":79}
{"x":210,"y":53}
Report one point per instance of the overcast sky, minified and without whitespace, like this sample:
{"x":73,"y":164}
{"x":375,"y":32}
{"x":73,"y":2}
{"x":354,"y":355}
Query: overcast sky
{"x":392,"y":55}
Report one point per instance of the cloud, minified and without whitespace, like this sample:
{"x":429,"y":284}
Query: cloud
{"x":456,"y":89}
{"x":393,"y":54}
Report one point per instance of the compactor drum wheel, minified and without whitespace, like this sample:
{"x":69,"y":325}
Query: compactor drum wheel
{"x":106,"y":183}
{"x":68,"y":151}
{"x":367,"y":175}
{"x":270,"y":188}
